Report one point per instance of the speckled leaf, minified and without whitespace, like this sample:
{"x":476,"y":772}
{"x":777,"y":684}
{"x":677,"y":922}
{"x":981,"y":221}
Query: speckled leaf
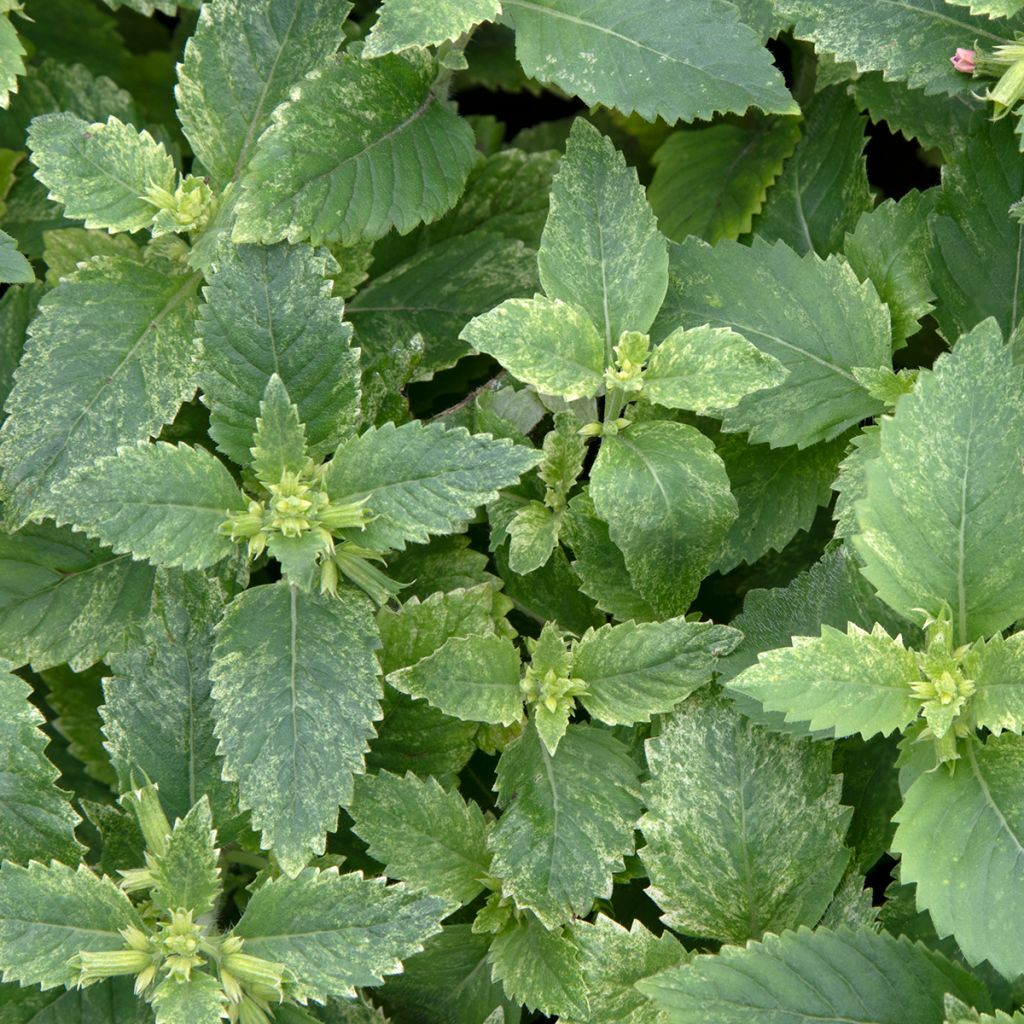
{"x":946,"y":481}
{"x":853,"y":682}
{"x":402,"y":24}
{"x":976,"y":246}
{"x":614,"y":959}
{"x":475,"y":678}
{"x":707,"y":370}
{"x":711,"y":181}
{"x":12,"y":63}
{"x":823,"y":188}
{"x":100,"y":172}
{"x":533,"y":534}
{"x":240,"y":64}
{"x":107,"y":1002}
{"x":803,"y":977}
{"x":48,"y":914}
{"x":160,"y":502}
{"x":108,"y":362}
{"x":996,"y":667}
{"x":993,"y":8}
{"x":811,"y":314}
{"x":14,"y":268}
{"x":187,"y":876}
{"x":36,"y":819}
{"x":636,"y":59}
{"x":158,"y":716}
{"x":279,"y":444}
{"x":634,"y":671}
{"x":744,"y":827}
{"x":540,"y":968}
{"x":422,"y":479}
{"x":544,"y":342}
{"x":64,"y":598}
{"x":350,"y":123}
{"x":431,"y":839}
{"x":75,"y":697}
{"x":337,"y":932}
{"x":200,"y":1000}
{"x":665,"y":496}
{"x":909,"y":40}
{"x":958,"y":838}
{"x":65,"y":248}
{"x":295,"y":696}
{"x":567,"y":821}
{"x":17,"y":307}
{"x":601,"y":250}
{"x":269,"y":310}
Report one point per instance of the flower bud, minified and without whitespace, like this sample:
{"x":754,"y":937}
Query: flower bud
{"x":156,"y":829}
{"x":963,"y":60}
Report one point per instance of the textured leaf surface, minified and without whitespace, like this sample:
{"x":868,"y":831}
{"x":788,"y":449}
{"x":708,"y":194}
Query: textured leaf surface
{"x":744,"y":827}
{"x":64,"y":598}
{"x":581,"y":45}
{"x":568,"y":820}
{"x":187,"y":877}
{"x":48,"y":914}
{"x":12,"y":64}
{"x":269,"y":310}
{"x":420,"y":480}
{"x":337,"y":932}
{"x":601,"y":250}
{"x":851,"y":682}
{"x":108,"y":1002}
{"x":533,"y":534}
{"x":544,"y":342}
{"x":634,"y":671}
{"x":362,"y":147}
{"x":997,"y":670}
{"x":402,"y":24}
{"x":14,"y":268}
{"x":240,"y":64}
{"x":108,"y":362}
{"x":666,"y":499}
{"x":100,"y":172}
{"x":959,"y":839}
{"x":947,"y":478}
{"x":423,"y":835}
{"x":710,"y":182}
{"x":806,"y":976}
{"x":200,"y":1000}
{"x":296,"y":694}
{"x":160,"y":502}
{"x":810,"y":314}
{"x":36,"y":819}
{"x":17,"y":307}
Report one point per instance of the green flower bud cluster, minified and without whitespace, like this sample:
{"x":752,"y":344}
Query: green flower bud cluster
{"x":185,"y":210}
{"x":631,"y":354}
{"x":548,"y":686}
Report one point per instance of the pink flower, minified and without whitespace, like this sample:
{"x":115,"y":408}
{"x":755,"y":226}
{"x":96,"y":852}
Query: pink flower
{"x":963,"y":60}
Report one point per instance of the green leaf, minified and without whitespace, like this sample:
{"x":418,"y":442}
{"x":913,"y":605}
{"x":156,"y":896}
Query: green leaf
{"x":890,"y":247}
{"x":614,"y":959}
{"x":996,"y":667}
{"x":804,"y":976}
{"x":65,"y":248}
{"x":17,"y":308}
{"x":100,"y":172}
{"x":475,"y":678}
{"x":75,"y":697}
{"x":974,"y":259}
{"x":710,"y":182}
{"x":337,"y":932}
{"x":279,"y":444}
{"x":108,"y":362}
{"x":36,"y":819}
{"x":540,"y":968}
{"x":160,"y":502}
{"x":665,"y":496}
{"x":14,"y":268}
{"x":567,"y":821}
{"x":240,"y":64}
{"x":49,"y":914}
{"x":421,"y":479}
{"x":544,"y":342}
{"x":634,"y":671}
{"x":423,"y":835}
{"x":64,"y":598}
{"x":187,"y":876}
{"x":402,"y":24}
{"x":601,"y":251}
{"x":296,"y":694}
{"x":158,"y":716}
{"x":108,"y":1002}
{"x":583,"y":47}
{"x":811,"y":314}
{"x":707,"y":370}
{"x":269,"y":310}
{"x":958,"y":838}
{"x":946,"y":478}
{"x":200,"y":1000}
{"x":871,"y":788}
{"x":853,"y":682}
{"x":533,"y":534}
{"x":351,"y":122}
{"x":744,"y":827}
{"x":823,"y":188}
{"x":911,"y":41}
{"x":12,"y":64}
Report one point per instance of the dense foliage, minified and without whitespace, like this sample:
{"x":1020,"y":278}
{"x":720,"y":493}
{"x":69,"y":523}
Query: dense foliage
{"x":504,"y":517}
